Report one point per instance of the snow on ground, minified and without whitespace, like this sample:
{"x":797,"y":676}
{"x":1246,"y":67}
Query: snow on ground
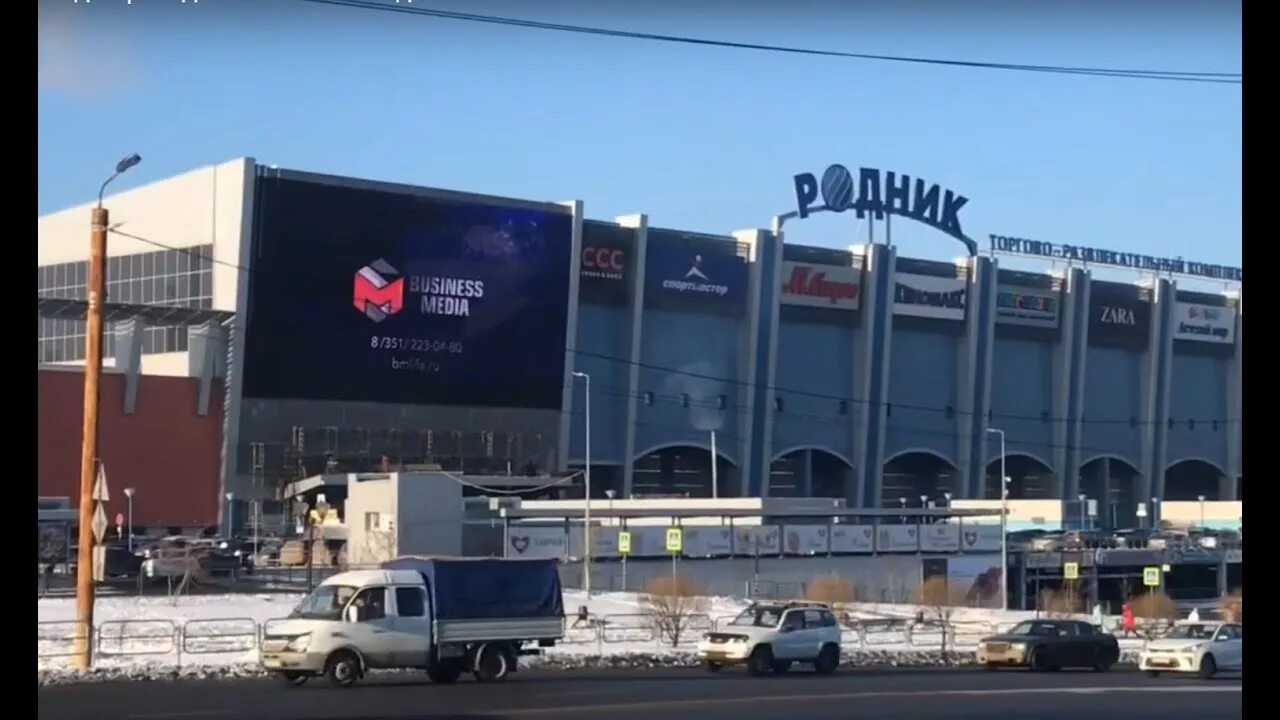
{"x":146,"y":636}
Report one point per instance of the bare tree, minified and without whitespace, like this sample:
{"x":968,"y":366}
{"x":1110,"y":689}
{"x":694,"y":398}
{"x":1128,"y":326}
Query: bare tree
{"x":672,"y":602}
{"x":938,"y":600}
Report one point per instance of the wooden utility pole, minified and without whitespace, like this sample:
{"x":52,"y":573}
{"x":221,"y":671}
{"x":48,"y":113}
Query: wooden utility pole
{"x":89,"y":441}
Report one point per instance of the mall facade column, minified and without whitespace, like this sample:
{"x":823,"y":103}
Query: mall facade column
{"x":571,"y":337}
{"x":974,"y":384}
{"x":640,"y":251}
{"x":1157,"y":367}
{"x":129,"y":334}
{"x":206,"y":359}
{"x":233,"y":478}
{"x":871,"y":371}
{"x":1235,"y":403}
{"x":760,"y":358}
{"x":1068,"y":384}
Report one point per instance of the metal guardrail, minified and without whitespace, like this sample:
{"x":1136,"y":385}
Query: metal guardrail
{"x":243,"y":635}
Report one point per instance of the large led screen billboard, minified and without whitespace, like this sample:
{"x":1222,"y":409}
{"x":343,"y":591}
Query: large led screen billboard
{"x":362,"y":294}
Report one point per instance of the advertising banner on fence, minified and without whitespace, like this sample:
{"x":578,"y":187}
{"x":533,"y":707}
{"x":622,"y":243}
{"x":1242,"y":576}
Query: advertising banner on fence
{"x":805,"y":539}
{"x":537,"y":541}
{"x":604,"y":542}
{"x":939,"y":538}
{"x":898,"y":538}
{"x":373,"y":295}
{"x":976,"y":578}
{"x":821,"y":286}
{"x":979,"y":538}
{"x":928,"y":296}
{"x":1118,"y":315}
{"x":853,"y":539}
{"x":693,"y":279}
{"x":1034,"y":307}
{"x":708,"y":542}
{"x":749,"y":540}
{"x":1204,"y":323}
{"x":605,"y":270}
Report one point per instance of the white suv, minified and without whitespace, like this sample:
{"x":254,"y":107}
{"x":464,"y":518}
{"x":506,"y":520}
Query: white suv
{"x":770,"y":637}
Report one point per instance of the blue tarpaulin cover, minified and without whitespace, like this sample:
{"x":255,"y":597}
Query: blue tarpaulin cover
{"x":488,"y":588}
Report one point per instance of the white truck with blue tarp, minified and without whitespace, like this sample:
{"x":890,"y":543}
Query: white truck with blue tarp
{"x":445,"y":616}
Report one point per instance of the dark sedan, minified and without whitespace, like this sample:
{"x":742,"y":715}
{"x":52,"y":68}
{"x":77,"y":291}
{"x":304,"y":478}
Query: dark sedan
{"x":1050,"y":645}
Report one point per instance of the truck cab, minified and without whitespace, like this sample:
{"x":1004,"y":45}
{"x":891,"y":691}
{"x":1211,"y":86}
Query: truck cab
{"x":418,"y":615}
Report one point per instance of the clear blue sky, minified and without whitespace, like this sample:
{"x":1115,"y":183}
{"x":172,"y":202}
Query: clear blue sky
{"x":700,"y":138}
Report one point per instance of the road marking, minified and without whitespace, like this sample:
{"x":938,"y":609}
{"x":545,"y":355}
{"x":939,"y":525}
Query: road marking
{"x":178,"y":715}
{"x":711,"y":702}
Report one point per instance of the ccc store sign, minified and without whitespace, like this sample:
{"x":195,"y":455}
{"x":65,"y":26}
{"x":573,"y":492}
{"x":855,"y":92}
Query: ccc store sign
{"x":604,"y":262}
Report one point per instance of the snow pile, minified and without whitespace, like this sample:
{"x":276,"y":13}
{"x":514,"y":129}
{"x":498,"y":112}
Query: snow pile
{"x":217,"y":635}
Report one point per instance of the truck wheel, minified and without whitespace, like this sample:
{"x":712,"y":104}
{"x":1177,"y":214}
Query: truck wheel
{"x":343,"y":669}
{"x":491,"y":664}
{"x":445,"y":672}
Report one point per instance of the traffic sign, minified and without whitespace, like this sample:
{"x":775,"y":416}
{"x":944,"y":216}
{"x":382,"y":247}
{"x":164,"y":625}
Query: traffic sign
{"x":1151,"y":576}
{"x":675,"y":540}
{"x":99,"y":524}
{"x":624,"y":542}
{"x":1071,"y":571}
{"x":100,"y":493}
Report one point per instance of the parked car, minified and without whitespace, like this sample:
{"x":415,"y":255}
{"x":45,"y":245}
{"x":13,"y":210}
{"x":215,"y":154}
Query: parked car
{"x":1050,"y":645}
{"x":1202,"y":648}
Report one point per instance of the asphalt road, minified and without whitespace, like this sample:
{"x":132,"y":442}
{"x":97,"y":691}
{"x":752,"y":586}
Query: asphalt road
{"x":935,"y":694}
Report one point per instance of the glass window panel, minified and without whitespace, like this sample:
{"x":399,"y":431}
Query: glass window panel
{"x":79,"y":273}
{"x":170,"y":292}
{"x":170,"y":265}
{"x":113,"y":267}
{"x":183,"y":339}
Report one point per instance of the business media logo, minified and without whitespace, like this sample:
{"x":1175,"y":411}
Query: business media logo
{"x":696,"y":281}
{"x":379,"y":290}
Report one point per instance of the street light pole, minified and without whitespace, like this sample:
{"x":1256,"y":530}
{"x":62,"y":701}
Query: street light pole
{"x":1004,"y":523}
{"x":1201,"y":498}
{"x":128,"y":494}
{"x":231,"y":515}
{"x":94,"y":292}
{"x":586,"y":516}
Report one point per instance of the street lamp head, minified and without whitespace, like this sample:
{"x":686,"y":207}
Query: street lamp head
{"x":128,"y":162}
{"x":610,"y":493}
{"x":128,"y":492}
{"x":230,"y":496}
{"x":579,"y":374}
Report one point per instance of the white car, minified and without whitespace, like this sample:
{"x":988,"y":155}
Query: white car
{"x":771,"y":637}
{"x":1203,"y":648}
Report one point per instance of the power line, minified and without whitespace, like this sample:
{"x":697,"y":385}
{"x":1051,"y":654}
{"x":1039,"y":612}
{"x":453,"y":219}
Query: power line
{"x":1169,"y":75}
{"x":747,"y":384}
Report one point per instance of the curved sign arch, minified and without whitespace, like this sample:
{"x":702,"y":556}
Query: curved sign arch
{"x":880,"y":193}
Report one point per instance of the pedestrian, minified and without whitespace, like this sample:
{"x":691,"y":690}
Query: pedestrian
{"x":1127,"y":623}
{"x":1194,"y":616}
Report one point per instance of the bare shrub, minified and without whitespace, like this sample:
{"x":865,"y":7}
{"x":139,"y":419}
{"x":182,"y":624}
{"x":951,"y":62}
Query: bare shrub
{"x":832,"y":590}
{"x":1233,"y":607}
{"x":1152,"y":611}
{"x":938,"y":600}
{"x":1061,"y":603}
{"x":672,"y":602}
